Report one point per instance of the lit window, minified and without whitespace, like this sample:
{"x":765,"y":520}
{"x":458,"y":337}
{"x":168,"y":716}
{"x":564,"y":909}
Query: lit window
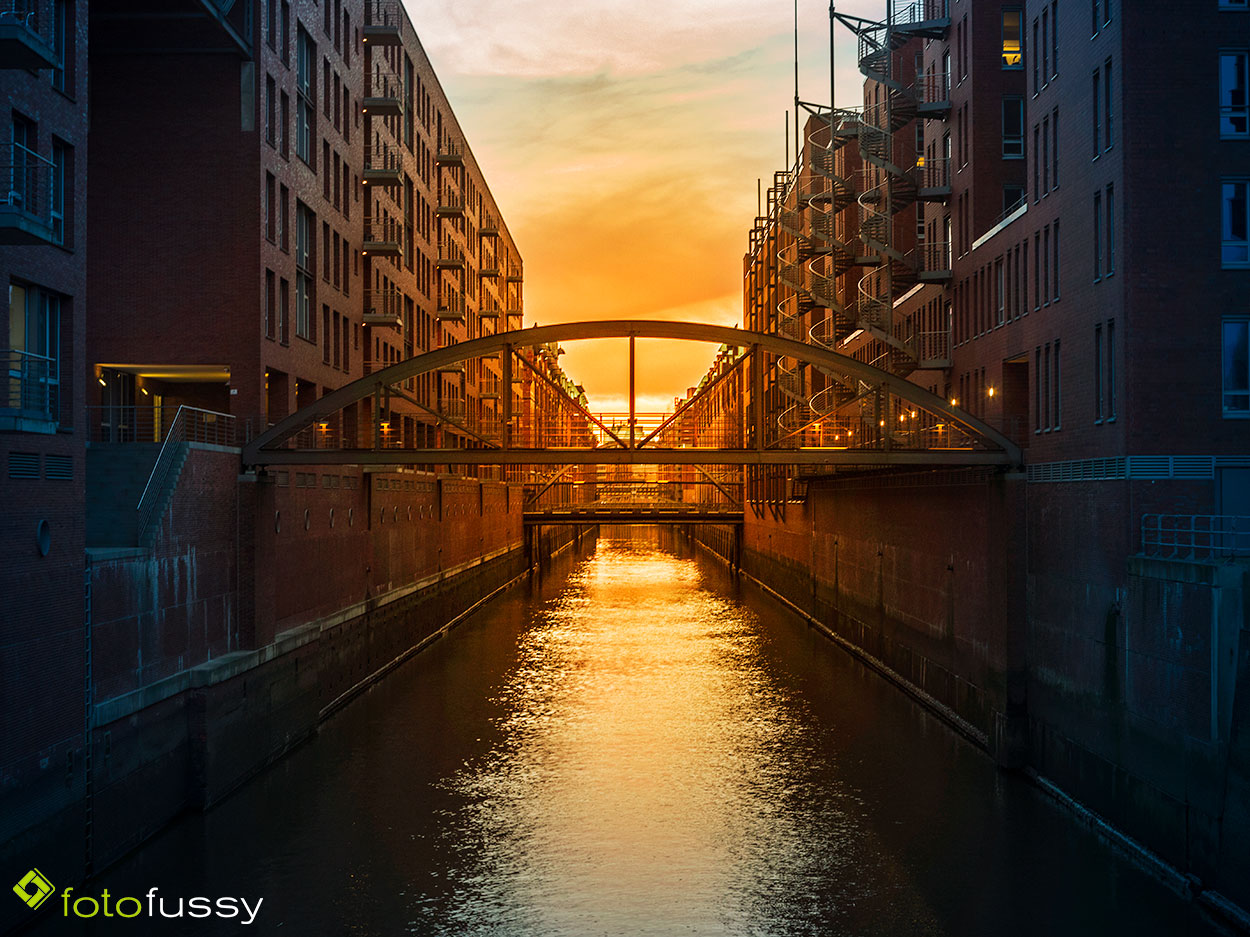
{"x":1236,"y":348}
{"x":1013,"y":55}
{"x":1235,"y":225}
{"x":1234,"y":107}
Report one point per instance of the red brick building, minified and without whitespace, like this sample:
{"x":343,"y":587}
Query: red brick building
{"x":43,"y":260}
{"x":1039,"y":212}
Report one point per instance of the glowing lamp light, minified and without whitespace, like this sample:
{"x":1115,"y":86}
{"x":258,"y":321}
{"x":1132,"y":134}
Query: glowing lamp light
{"x":954,"y":402}
{"x":103,"y":382}
{"x":990,"y":391}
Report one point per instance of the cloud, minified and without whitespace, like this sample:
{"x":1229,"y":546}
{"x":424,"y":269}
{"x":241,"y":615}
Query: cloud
{"x":622,"y":140}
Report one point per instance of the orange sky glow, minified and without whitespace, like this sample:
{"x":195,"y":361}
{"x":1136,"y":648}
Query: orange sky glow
{"x":622,"y":140}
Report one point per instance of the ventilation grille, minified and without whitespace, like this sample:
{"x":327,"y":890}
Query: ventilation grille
{"x":23,"y":465}
{"x":59,"y":467}
{"x":1145,"y":467}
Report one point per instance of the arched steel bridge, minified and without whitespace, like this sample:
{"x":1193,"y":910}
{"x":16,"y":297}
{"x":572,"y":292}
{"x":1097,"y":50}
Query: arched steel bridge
{"x":731,"y":420}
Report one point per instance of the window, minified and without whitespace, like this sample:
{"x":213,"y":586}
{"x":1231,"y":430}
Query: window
{"x":284,"y":311}
{"x":1045,"y":278}
{"x":284,"y":145}
{"x":284,"y":209}
{"x":271,"y":92}
{"x":305,"y":105}
{"x":63,"y":46}
{"x":1099,"y":401}
{"x":1055,"y":238}
{"x":1109,"y":370}
{"x":268,"y":18}
{"x":1234,"y":107}
{"x":1095,"y":98}
{"x":1043,"y":49}
{"x":1037,"y":270}
{"x":1234,"y":4}
{"x":1037,"y":163}
{"x":1056,"y":409}
{"x":1037,"y":79}
{"x":305,"y":260}
{"x":1000,"y":292}
{"x":1054,"y":38}
{"x":1013,"y":195}
{"x":1097,"y":236}
{"x":1013,"y":39}
{"x":1236,"y":348}
{"x":31,"y":380}
{"x":1235,"y":226}
{"x":1106,"y":109}
{"x":286,"y":33}
{"x":1054,"y":148}
{"x":1045,"y":155}
{"x":1110,"y":228}
{"x":271,"y":304}
{"x":271,"y":208}
{"x":1048,"y":388}
{"x":60,"y":166}
{"x":1013,"y":127}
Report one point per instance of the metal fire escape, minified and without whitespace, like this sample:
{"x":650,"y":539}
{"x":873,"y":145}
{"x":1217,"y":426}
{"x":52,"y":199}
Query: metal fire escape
{"x":874,"y":181}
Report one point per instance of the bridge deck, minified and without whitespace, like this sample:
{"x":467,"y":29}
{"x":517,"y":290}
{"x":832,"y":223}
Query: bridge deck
{"x":609,"y":513}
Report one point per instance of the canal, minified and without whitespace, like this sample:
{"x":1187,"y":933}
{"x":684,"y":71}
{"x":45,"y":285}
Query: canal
{"x":638,"y":747}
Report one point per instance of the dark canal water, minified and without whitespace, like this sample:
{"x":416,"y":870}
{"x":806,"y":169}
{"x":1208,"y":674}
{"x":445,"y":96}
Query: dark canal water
{"x":639,"y":748}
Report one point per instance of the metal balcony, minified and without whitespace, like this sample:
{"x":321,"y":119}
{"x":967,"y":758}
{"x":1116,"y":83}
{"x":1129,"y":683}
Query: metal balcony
{"x":933,"y":179}
{"x":488,"y":226}
{"x":490,"y":269}
{"x":383,"y":165}
{"x":30,"y":389}
{"x":382,"y":99}
{"x":450,"y":309}
{"x":26,"y":215}
{"x":931,"y":261}
{"x":23,"y":43}
{"x":515,"y":275}
{"x":450,"y":203}
{"x":489,"y":312}
{"x":383,"y":21}
{"x":383,"y":238}
{"x":449,"y":153}
{"x":384,"y":308}
{"x":450,"y":256}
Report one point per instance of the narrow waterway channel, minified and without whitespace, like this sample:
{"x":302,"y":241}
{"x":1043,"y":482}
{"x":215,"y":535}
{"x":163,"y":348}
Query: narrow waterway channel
{"x":640,"y":748}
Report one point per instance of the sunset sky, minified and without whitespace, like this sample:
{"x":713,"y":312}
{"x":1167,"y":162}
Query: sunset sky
{"x":622,"y":140}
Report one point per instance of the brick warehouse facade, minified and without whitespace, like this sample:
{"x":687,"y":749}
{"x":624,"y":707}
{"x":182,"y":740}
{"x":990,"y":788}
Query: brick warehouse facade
{"x":284,"y":203}
{"x":43,"y":251}
{"x":1078,"y":621}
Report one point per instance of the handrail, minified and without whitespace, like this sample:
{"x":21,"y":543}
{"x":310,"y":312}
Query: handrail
{"x":1195,"y":536}
{"x":179,"y":433}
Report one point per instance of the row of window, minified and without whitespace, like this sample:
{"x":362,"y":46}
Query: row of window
{"x":1045,"y":54}
{"x":275,"y":22}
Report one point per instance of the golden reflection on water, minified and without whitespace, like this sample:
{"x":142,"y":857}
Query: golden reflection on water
{"x":654,"y":778}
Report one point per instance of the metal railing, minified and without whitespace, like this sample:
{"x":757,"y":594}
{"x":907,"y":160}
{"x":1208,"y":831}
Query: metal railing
{"x":387,"y":302}
{"x":383,"y":159}
{"x":449,"y":150}
{"x":26,"y":181}
{"x":31,"y":383}
{"x":190,"y":424}
{"x":22,"y":12}
{"x":383,"y":84}
{"x":383,"y":232}
{"x":1195,"y":536}
{"x":382,"y":13}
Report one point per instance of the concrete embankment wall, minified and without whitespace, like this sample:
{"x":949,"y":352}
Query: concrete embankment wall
{"x":262,"y":605}
{"x":1025,"y":614}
